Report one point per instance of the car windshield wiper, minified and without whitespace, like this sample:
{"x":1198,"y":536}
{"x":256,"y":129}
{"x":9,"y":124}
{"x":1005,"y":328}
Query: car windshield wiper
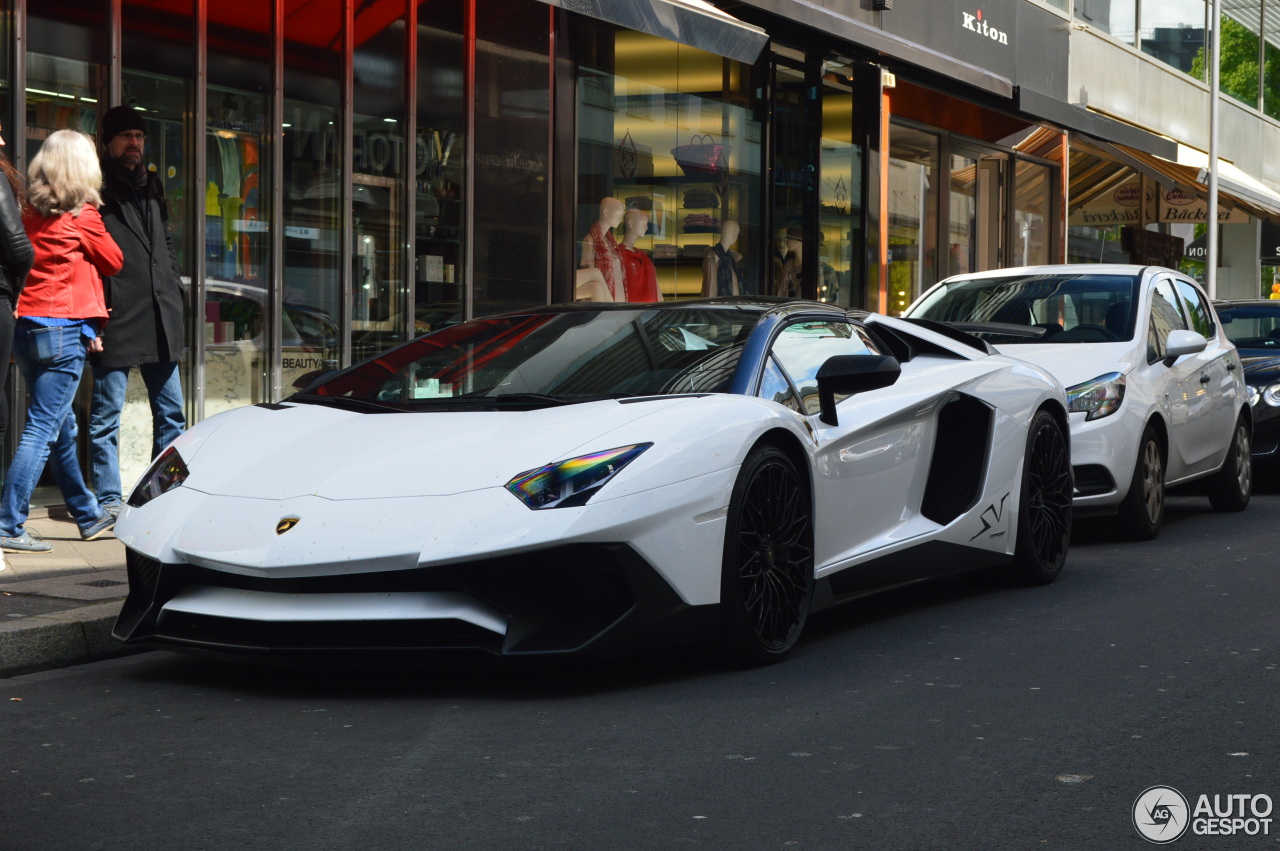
{"x":347,"y":403}
{"x":1004,"y":329}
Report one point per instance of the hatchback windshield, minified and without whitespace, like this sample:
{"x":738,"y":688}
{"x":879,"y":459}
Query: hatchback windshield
{"x":1066,"y":308}
{"x":553,"y":358}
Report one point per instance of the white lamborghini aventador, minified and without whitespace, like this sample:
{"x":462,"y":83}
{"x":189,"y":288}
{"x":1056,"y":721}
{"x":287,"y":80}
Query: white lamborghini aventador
{"x":585,"y":479}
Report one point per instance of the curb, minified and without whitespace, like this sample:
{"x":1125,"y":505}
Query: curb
{"x":69,"y":637}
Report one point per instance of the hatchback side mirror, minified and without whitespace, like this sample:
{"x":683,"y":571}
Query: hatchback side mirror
{"x":1182,"y":342}
{"x":849,"y":374}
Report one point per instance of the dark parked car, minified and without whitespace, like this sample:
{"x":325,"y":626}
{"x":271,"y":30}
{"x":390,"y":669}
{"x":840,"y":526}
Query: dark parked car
{"x":1254,"y":326}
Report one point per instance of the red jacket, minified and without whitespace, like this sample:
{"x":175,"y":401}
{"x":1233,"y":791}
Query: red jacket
{"x":73,"y":253}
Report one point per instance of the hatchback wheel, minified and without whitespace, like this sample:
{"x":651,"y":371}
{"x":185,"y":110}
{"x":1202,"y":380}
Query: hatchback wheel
{"x":1142,"y":511}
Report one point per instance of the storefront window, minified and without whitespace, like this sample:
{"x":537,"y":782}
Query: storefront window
{"x":512,"y":153}
{"x":439,"y":167}
{"x":962,"y":223}
{"x":794,"y":177}
{"x":913,"y":215}
{"x":157,"y":64}
{"x":236,"y":238}
{"x":1031,"y":222}
{"x":379,"y":232}
{"x":840,"y":205}
{"x":312,"y":197}
{"x":669,"y":132}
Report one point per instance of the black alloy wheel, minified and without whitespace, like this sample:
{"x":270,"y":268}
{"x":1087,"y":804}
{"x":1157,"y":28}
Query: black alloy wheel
{"x":766,"y":582}
{"x":1044,"y":512}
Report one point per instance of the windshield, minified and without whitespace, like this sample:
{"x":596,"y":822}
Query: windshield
{"x":1254,"y":326}
{"x":553,"y":358}
{"x":1065,"y":308}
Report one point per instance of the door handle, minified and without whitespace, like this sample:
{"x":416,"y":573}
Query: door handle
{"x":1204,"y":379}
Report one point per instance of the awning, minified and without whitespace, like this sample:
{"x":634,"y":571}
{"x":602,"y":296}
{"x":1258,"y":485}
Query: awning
{"x":1191,"y":174}
{"x":692,"y":22}
{"x":1096,"y":125}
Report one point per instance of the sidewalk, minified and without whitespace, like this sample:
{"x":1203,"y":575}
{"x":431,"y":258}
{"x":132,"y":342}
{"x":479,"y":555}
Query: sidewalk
{"x":57,"y":608}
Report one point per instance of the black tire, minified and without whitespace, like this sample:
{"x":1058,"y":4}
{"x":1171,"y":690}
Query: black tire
{"x":766,"y":579}
{"x":1231,"y":487}
{"x":1044,"y":508}
{"x":1142,"y":511}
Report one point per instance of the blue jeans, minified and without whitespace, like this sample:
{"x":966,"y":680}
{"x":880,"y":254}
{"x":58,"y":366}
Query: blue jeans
{"x":51,"y":428}
{"x":164,"y":388}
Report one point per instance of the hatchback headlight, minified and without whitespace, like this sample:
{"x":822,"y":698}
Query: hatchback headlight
{"x":166,"y":473}
{"x":1252,"y":394}
{"x":572,"y":482}
{"x":1098,"y":398}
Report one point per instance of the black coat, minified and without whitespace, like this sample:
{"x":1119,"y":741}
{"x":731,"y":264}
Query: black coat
{"x":145,"y":299}
{"x":16,"y":254}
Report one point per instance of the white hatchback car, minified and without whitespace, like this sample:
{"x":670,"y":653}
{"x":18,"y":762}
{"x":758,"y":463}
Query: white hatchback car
{"x":1157,"y":394}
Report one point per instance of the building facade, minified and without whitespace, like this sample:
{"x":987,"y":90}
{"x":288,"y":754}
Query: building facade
{"x":344,"y":175}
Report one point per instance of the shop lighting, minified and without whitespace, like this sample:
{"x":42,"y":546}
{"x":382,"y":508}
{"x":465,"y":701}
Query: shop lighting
{"x":61,"y":95}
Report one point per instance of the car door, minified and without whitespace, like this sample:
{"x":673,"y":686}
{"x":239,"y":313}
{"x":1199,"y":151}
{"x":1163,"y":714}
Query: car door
{"x":1218,"y":380}
{"x":1176,"y":387}
{"x":869,"y":469}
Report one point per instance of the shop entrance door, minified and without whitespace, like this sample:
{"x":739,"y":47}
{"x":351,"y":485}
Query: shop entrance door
{"x":975,"y":231}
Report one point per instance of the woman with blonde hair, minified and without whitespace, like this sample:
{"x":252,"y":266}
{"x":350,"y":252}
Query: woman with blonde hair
{"x":59,"y":314}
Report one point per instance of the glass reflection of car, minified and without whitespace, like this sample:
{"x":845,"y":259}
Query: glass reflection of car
{"x":1254,"y":326}
{"x":1157,"y":397}
{"x":584,"y":479}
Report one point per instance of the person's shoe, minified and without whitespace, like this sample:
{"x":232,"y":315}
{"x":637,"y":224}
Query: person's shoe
{"x":25,"y":543}
{"x":97,"y":527}
{"x":112,"y":508}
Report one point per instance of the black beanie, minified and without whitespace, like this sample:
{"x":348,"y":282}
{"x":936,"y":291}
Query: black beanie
{"x":119,"y":119}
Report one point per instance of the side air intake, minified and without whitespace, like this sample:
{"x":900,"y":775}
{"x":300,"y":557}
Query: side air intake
{"x":959,"y":459}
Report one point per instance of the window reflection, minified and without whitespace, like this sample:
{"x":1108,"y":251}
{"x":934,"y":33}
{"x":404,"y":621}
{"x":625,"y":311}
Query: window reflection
{"x":913,"y":215}
{"x":666,"y":131}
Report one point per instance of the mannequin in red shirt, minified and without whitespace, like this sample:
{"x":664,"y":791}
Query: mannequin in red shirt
{"x":637,"y":269}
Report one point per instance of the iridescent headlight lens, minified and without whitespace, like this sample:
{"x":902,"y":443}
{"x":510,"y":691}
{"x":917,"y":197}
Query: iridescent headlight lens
{"x":1272,"y":394}
{"x":1098,"y":398}
{"x":572,"y":482}
{"x":166,"y":473}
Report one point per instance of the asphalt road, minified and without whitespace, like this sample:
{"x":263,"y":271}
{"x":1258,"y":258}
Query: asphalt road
{"x":940,"y":716}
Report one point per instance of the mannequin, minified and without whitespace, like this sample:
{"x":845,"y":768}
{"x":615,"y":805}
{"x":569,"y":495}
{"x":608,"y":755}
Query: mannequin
{"x":590,"y":286}
{"x":788,"y":281}
{"x":720,"y":274}
{"x":638,"y":273}
{"x":600,"y":249}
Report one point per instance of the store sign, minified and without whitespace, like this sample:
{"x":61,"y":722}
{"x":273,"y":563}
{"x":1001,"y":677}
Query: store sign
{"x":1177,"y":206}
{"x":990,"y":34}
{"x":976,"y":23}
{"x":1126,"y":205}
{"x":1269,"y":244}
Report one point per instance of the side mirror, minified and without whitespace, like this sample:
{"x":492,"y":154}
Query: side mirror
{"x":1182,"y":342}
{"x":849,"y":374}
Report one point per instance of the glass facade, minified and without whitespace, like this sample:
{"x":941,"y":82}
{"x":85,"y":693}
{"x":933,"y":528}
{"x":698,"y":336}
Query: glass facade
{"x":341,"y":176}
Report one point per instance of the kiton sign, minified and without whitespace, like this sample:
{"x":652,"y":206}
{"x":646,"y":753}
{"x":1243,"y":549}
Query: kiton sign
{"x":977,"y":24}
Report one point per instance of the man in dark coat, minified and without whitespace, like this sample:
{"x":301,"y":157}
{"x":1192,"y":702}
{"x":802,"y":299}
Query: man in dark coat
{"x":145,"y":302}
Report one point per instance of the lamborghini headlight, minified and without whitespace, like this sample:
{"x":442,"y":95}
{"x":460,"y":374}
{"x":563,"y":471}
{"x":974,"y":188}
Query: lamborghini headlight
{"x":166,"y":473}
{"x":1098,"y":398}
{"x":572,"y":482}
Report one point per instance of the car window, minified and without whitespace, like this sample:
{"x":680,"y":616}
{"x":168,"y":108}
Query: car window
{"x":1166,"y":316}
{"x":774,"y":386}
{"x":803,"y":347}
{"x":1252,"y":326}
{"x":1070,"y":307}
{"x":1198,"y":314}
